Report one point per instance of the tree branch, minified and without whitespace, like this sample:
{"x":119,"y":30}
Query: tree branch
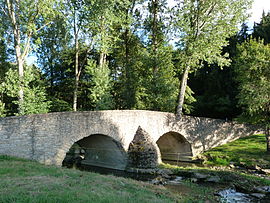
{"x":27,"y":46}
{"x":43,"y":26}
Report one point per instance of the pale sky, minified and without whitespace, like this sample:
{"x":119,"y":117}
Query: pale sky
{"x":257,"y":9}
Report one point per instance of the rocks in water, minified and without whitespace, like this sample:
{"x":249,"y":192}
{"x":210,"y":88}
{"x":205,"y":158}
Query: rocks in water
{"x":258,"y":195}
{"x":142,"y":151}
{"x":193,"y":180}
{"x":165,"y":173}
{"x":266,"y":171}
{"x":264,"y":189}
{"x":200,"y":175}
{"x":231,"y":196}
{"x":158,"y":181}
{"x":213,"y":179}
{"x":232,"y":166}
{"x":176,"y":180}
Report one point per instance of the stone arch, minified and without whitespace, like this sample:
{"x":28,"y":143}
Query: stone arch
{"x":174,"y":147}
{"x":102,"y":151}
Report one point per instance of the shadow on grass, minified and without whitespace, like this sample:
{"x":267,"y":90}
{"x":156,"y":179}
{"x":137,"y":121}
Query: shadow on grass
{"x":10,"y":158}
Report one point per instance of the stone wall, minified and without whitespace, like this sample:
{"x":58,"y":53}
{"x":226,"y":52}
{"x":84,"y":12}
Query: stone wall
{"x":47,"y":137}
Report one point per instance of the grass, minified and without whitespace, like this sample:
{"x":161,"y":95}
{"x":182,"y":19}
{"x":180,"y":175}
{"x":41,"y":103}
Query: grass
{"x":247,"y":151}
{"x":23,"y":181}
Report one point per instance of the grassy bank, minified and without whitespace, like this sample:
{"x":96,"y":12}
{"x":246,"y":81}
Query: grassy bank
{"x":245,"y":151}
{"x":25,"y":181}
{"x":30,"y":182}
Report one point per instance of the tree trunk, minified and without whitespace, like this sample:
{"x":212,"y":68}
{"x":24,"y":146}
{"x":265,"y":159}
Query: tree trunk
{"x":267,"y":135}
{"x":77,"y":74}
{"x":155,"y":33}
{"x":20,"y":62}
{"x":19,"y":55}
{"x":181,"y":97}
{"x":21,"y":92}
{"x":102,"y":59}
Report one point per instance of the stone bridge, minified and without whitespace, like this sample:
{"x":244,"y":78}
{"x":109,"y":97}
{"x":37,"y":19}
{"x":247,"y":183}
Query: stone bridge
{"x":106,"y":135}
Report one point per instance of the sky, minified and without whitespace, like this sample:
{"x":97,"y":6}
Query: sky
{"x":257,"y":9}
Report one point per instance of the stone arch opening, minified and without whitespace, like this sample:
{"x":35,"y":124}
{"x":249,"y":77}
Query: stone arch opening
{"x":174,"y":147}
{"x":98,"y":150}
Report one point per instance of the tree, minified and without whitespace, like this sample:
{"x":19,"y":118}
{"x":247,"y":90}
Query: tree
{"x":100,"y":94}
{"x":160,"y":79}
{"x":77,"y":12}
{"x":252,"y":68}
{"x":104,"y":19}
{"x":215,"y":88}
{"x":54,"y":40}
{"x":261,"y":30}
{"x":24,"y":19}
{"x":203,"y":28}
{"x":35,"y":98}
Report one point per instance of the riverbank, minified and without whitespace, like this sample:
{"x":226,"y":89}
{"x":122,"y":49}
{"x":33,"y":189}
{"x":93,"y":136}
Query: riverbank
{"x":27,"y":181}
{"x":248,"y":152}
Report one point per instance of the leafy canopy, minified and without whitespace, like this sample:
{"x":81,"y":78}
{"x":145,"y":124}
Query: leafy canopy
{"x":252,"y":67}
{"x":203,"y":28}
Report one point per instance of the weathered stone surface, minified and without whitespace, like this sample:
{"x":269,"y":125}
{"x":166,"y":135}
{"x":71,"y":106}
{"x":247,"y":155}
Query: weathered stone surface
{"x":266,"y":171}
{"x":258,"y":195}
{"x":48,"y":137}
{"x":200,"y":175}
{"x":142,"y":151}
{"x":264,"y":189}
{"x":213,"y":179}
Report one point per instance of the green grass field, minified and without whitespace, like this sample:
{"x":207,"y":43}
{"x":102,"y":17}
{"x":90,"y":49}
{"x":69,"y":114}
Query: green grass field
{"x":23,"y":181}
{"x":248,"y":151}
{"x":30,"y":182}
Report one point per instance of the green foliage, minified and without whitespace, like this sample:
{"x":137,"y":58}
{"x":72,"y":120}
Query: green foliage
{"x":132,"y":65}
{"x":59,"y":105}
{"x":204,"y":27}
{"x":2,"y":105}
{"x":158,"y":88}
{"x":128,"y":69}
{"x":100,"y":94}
{"x":261,"y":30}
{"x":215,"y":91}
{"x":189,"y":101}
{"x":34,"y":90}
{"x":252,"y":68}
{"x":159,"y":80}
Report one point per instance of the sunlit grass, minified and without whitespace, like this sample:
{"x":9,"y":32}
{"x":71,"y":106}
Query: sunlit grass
{"x":249,"y":151}
{"x":25,"y":181}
